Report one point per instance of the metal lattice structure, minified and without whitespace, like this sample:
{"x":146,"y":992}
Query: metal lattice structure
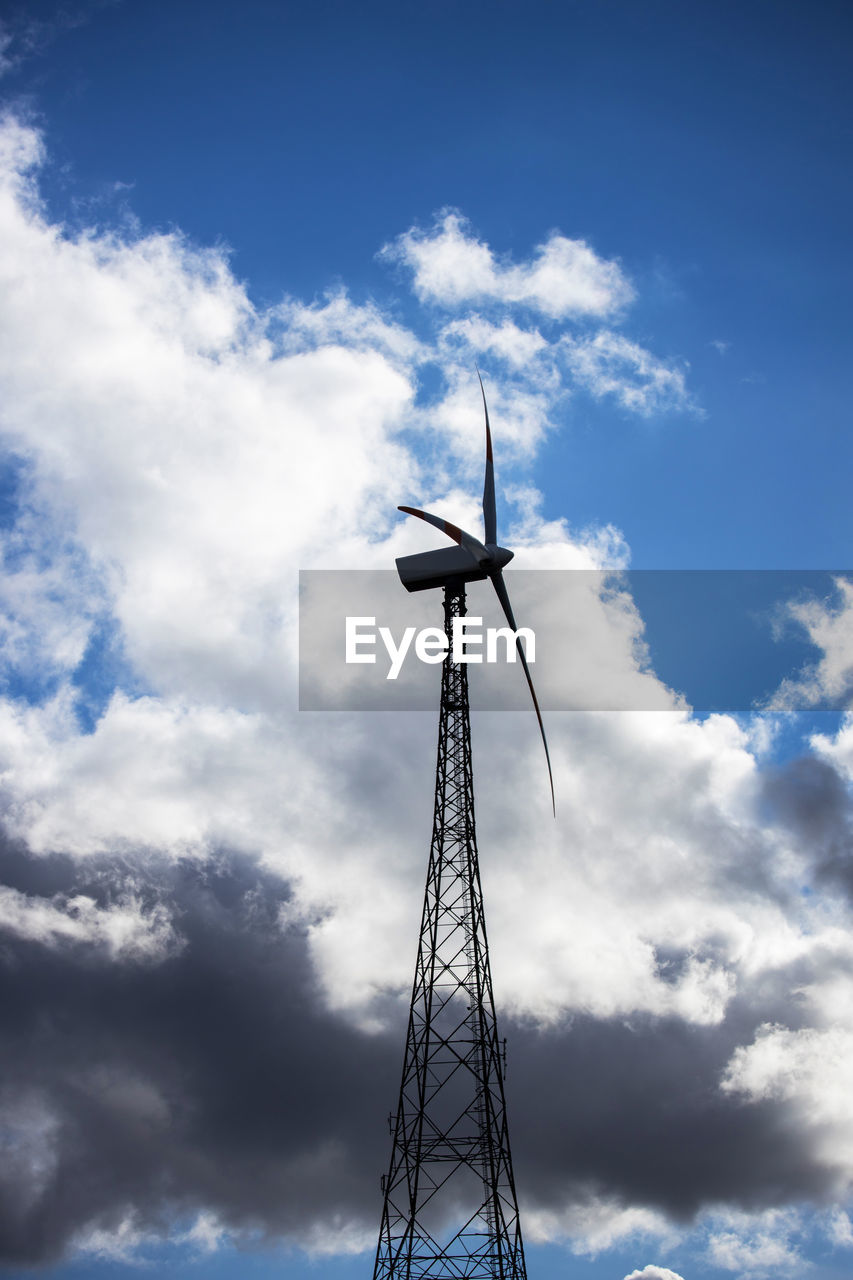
{"x":450,"y":1210}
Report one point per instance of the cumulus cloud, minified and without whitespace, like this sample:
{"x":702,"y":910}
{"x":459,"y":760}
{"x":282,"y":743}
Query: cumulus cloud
{"x":199,"y":1091}
{"x":810,"y":797}
{"x":507,"y":340}
{"x":120,"y":1085}
{"x":124,"y":929}
{"x":652,"y":1272}
{"x":757,"y":1247}
{"x":810,"y":1067}
{"x":609,"y":364}
{"x":120,"y":1243}
{"x":828,"y":623}
{"x":564,"y":278}
{"x":232,"y":914}
{"x":593,"y":1223}
{"x":841,"y":1229}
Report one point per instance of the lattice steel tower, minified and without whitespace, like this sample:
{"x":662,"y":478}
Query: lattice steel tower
{"x":450,"y":1210}
{"x":450,"y":1207}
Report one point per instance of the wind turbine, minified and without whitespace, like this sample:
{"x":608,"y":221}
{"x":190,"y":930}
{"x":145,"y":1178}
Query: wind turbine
{"x":450,"y":1210}
{"x":471,"y":561}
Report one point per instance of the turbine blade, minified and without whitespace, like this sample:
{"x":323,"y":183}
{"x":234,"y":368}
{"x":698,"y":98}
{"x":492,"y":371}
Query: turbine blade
{"x":500,"y":587}
{"x":490,"y":519}
{"x":466,"y":540}
{"x":444,"y":525}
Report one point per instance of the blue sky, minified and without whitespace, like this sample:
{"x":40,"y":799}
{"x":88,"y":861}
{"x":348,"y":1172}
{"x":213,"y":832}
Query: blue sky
{"x":705,"y":148}
{"x":251,"y":256}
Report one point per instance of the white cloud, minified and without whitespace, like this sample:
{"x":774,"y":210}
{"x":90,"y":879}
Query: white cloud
{"x":48,"y":598}
{"x":185,"y":454}
{"x":838,"y":748}
{"x":829,"y":626}
{"x":596,"y":1223}
{"x":809,"y":1068}
{"x":120,"y":1242}
{"x":338,"y":1235}
{"x":193,"y":453}
{"x":206,"y":1234}
{"x":653,"y":1272}
{"x":761,"y":1255}
{"x":757,"y":1246}
{"x":519,"y":411}
{"x":124,"y":929}
{"x":338,"y":320}
{"x":661,"y":884}
{"x":841,"y":1229}
{"x":21,"y":148}
{"x":195,"y":466}
{"x":609,"y":364}
{"x":564,"y":278}
{"x":518,"y":346}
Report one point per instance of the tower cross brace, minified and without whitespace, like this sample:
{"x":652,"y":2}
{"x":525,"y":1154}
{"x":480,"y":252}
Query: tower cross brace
{"x":450,"y":1210}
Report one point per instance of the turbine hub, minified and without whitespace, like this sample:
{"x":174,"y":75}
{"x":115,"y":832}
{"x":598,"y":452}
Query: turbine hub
{"x":498,"y":556}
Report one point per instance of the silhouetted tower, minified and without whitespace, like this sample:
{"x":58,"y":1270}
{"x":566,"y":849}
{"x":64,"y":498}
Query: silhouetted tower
{"x":450,"y":1208}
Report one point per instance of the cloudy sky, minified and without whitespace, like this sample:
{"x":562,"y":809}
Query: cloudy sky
{"x":250,"y":256}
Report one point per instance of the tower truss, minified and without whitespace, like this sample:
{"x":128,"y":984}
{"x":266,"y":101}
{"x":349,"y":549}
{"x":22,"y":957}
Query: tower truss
{"x":450,"y":1210}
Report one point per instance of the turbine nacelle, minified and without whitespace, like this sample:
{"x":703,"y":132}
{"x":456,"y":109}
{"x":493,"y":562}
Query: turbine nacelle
{"x":470,"y":561}
{"x":428,"y":569}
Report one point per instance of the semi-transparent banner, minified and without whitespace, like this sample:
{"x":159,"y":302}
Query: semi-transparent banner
{"x":640,"y":639}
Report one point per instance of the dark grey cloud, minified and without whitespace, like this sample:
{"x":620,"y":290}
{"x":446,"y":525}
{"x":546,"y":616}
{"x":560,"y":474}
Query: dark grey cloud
{"x":216,"y":1078}
{"x":633,"y":1111}
{"x":808,"y":796}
